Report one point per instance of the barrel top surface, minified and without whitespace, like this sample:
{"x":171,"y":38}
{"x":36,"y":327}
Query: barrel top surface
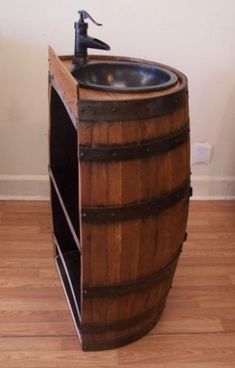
{"x":96,"y":95}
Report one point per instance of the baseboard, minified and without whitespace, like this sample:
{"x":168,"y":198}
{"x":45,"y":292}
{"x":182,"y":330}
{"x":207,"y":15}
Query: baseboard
{"x":213,"y":187}
{"x":24,"y":187}
{"x":36,"y":187}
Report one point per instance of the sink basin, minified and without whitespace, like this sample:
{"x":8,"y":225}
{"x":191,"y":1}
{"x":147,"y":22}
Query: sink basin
{"x":124,"y":77}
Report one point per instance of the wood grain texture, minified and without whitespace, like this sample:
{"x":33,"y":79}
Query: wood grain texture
{"x":197,"y":328}
{"x":64,"y":83}
{"x":114,"y":253}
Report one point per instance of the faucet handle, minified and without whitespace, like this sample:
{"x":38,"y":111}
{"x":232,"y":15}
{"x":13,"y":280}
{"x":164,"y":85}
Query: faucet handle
{"x":85,"y":15}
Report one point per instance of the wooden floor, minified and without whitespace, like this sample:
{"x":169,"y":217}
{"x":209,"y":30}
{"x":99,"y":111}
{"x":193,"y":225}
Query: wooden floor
{"x":197,"y":328}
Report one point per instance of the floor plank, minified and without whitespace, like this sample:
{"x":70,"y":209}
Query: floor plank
{"x":51,"y":352}
{"x":180,"y":351}
{"x":197,"y":328}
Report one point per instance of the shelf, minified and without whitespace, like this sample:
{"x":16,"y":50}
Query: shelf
{"x":55,"y":190}
{"x":63,"y":158}
{"x":69,"y":268}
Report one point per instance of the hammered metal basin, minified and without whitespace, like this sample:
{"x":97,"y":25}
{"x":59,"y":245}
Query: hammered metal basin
{"x":124,"y":77}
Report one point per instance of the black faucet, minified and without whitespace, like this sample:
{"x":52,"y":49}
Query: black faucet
{"x":83,"y":41}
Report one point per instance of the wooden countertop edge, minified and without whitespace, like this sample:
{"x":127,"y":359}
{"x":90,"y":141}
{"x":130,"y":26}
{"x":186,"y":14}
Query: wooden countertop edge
{"x":66,"y":85}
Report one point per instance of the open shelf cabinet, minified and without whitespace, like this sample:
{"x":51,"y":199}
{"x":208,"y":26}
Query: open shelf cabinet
{"x":119,"y":176}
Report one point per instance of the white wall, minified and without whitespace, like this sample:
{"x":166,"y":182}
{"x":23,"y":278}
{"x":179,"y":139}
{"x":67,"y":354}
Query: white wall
{"x":196,"y":37}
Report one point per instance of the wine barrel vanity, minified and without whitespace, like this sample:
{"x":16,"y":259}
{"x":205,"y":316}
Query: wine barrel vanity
{"x":120,"y":187}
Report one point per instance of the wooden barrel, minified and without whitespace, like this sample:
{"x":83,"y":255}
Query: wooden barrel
{"x":135,"y":189}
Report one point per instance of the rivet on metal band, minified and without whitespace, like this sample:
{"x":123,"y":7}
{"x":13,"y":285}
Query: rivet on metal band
{"x":134,"y":151}
{"x":135,"y":109}
{"x":136,"y":210}
{"x":134,"y":285}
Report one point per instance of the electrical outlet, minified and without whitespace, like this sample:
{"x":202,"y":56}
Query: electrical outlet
{"x":201,"y":153}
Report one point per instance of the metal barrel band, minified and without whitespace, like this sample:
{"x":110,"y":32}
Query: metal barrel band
{"x":107,"y":153}
{"x":116,"y":110}
{"x":104,"y":214}
{"x":123,"y":340}
{"x":133,"y":285}
{"x":125,"y":323}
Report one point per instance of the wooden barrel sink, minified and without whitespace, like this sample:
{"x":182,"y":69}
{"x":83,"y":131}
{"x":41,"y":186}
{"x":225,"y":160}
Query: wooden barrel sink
{"x":134,"y":187}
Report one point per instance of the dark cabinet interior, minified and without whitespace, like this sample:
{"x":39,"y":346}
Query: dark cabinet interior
{"x":64,"y":182}
{"x":63,"y":157}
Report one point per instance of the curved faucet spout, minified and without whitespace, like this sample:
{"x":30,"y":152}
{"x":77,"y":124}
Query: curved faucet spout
{"x":94,"y":43}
